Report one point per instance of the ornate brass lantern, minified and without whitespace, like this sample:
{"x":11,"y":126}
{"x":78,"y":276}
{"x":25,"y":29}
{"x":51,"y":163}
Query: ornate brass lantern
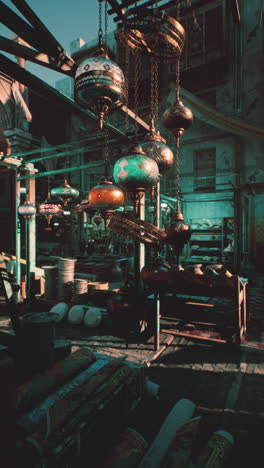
{"x":27,"y":209}
{"x":100,"y":84}
{"x":155,"y":147}
{"x":177,"y":118}
{"x":106,"y":197}
{"x":49,"y":210}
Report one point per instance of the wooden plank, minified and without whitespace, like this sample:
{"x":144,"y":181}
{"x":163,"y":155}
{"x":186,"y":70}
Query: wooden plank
{"x":192,"y":336}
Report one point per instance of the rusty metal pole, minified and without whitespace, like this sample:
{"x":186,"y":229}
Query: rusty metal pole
{"x":17,"y":294}
{"x":31,"y":235}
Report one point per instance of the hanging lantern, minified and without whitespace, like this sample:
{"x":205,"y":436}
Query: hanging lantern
{"x":65,"y":192}
{"x":178,"y":232}
{"x":106,"y":197}
{"x":155,"y":147}
{"x":27,"y":210}
{"x":156,"y":33}
{"x":177,"y":118}
{"x":49,"y":210}
{"x":136,"y":170}
{"x":100,"y":84}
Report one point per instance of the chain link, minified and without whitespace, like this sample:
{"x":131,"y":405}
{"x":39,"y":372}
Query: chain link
{"x":126,"y":73}
{"x":177,"y":139}
{"x":156,"y":90}
{"x":106,"y":150}
{"x":106,"y":23}
{"x":100,"y":31}
{"x":136,"y":87}
{"x":152,"y":90}
{"x":177,"y":168}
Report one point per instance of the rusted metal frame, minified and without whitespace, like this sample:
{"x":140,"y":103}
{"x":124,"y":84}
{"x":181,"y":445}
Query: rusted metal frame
{"x":142,"y":8}
{"x":48,"y":92}
{"x":48,"y":40}
{"x":32,"y":55}
{"x":14,"y":22}
{"x":117,"y":9}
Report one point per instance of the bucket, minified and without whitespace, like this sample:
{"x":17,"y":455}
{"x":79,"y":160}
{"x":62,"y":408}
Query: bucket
{"x":37,"y":340}
{"x":50,"y":275}
{"x":128,"y":451}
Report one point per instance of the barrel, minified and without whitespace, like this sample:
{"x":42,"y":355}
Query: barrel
{"x":37,"y":341}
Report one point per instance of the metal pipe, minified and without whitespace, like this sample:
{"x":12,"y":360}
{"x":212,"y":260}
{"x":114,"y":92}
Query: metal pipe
{"x":60,"y":171}
{"x":17,"y":294}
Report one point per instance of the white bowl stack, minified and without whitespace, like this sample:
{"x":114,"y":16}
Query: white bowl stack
{"x":80,"y":289}
{"x":65,"y":278}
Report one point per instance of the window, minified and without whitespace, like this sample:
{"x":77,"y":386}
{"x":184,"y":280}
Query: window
{"x":204,"y":170}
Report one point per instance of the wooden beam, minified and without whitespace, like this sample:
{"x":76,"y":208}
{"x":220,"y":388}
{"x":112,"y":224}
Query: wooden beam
{"x":48,"y":92}
{"x":45,"y":37}
{"x":34,"y":56}
{"x":14,"y":22}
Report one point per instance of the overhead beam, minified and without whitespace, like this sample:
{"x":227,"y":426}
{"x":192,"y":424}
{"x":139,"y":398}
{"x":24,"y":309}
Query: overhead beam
{"x":46,"y":38}
{"x":19,"y":50}
{"x":48,"y":92}
{"x":61,"y":171}
{"x":14,"y":22}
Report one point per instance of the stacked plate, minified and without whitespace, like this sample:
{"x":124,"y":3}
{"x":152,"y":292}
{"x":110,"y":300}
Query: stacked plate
{"x":80,"y":290}
{"x":65,"y":278}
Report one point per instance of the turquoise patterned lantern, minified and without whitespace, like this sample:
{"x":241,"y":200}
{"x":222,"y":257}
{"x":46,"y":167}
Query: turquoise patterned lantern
{"x":136,"y":171}
{"x":65,"y":192}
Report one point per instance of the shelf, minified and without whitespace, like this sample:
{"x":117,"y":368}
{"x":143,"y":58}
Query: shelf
{"x":218,"y":238}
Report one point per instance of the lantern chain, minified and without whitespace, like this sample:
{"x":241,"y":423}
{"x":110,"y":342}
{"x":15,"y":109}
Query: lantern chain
{"x":156,"y":90}
{"x":100,"y":31}
{"x":136,"y":88}
{"x":177,"y":139}
{"x":177,"y":82}
{"x":106,"y":152}
{"x":177,"y":167}
{"x":152,"y":90}
{"x":126,"y":73}
{"x":106,"y":23}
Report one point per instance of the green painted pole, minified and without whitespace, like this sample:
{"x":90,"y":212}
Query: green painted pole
{"x":60,"y":171}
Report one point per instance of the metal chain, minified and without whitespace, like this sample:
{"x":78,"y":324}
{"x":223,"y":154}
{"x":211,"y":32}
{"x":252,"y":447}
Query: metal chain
{"x":152,"y":90}
{"x":136,"y":88}
{"x":100,"y":31}
{"x":106,"y":23}
{"x":177,"y":168}
{"x":106,"y":150}
{"x":126,"y":73}
{"x":156,"y":90}
{"x":177,"y":139}
{"x":177,"y":76}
